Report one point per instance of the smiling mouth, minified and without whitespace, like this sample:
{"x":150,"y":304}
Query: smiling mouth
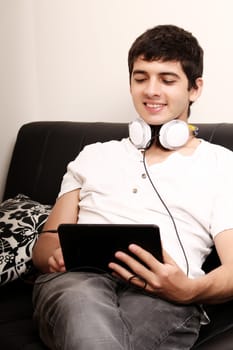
{"x":154,"y":106}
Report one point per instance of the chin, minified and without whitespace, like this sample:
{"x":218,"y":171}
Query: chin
{"x":155,"y":121}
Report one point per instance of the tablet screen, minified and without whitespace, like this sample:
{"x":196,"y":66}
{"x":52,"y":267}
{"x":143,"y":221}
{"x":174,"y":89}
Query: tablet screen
{"x":90,"y":247}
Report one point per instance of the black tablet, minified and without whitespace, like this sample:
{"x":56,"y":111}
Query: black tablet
{"x":90,"y":247}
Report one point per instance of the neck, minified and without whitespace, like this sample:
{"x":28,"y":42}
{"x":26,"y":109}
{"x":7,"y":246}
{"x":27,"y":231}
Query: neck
{"x":157,"y":154}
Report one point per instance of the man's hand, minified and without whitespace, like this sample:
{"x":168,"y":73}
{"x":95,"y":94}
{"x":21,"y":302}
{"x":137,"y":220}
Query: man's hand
{"x":56,"y":261}
{"x":166,"y":279}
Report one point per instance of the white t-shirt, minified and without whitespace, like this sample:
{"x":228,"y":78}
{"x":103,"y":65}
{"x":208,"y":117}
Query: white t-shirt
{"x":197,"y":189}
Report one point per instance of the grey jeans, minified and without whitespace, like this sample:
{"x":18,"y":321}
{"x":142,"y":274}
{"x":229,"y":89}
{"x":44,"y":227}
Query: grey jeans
{"x":88,"y":311}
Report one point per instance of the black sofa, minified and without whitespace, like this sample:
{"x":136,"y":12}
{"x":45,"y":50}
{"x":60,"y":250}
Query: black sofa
{"x":42,"y":151}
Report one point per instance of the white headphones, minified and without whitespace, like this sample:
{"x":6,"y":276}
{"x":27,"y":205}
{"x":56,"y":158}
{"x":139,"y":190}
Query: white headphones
{"x":172,"y":135}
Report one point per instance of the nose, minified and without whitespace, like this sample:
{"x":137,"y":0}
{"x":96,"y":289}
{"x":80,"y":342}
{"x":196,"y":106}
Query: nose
{"x":152,"y":88}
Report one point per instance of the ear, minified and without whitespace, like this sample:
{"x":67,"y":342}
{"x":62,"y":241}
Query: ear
{"x":196,"y":92}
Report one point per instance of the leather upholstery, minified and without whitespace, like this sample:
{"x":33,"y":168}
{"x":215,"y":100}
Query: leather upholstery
{"x":39,"y":160}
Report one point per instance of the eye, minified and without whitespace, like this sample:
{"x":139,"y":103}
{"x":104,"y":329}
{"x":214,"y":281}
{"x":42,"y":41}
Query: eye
{"x":139,"y":80}
{"x":169,"y":81}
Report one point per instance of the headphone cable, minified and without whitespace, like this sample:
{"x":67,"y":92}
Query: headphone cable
{"x":168,"y":211}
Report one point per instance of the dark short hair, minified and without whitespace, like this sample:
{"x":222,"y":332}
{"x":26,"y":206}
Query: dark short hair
{"x":169,"y":43}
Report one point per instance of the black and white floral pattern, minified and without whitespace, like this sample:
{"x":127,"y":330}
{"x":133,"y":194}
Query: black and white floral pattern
{"x":21,"y":220}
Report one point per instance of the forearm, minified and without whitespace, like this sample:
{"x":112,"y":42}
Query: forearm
{"x":214,"y":287}
{"x":64,"y":211}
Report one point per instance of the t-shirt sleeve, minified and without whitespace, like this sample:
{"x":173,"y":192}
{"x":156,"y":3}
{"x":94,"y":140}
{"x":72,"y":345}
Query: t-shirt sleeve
{"x":78,"y":168}
{"x":222,"y":213}
{"x":71,"y":180}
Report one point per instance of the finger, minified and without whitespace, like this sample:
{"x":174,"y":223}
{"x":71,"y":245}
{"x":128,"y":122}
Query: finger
{"x":53,"y":265}
{"x":128,"y":260}
{"x":136,"y":269}
{"x":128,"y":276}
{"x":119,"y":270}
{"x":146,"y":257}
{"x":138,"y":281}
{"x":58,"y":257}
{"x":144,"y":278}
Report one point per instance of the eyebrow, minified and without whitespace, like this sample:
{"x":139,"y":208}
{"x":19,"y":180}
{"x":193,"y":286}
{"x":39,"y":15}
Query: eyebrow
{"x":140,"y":71}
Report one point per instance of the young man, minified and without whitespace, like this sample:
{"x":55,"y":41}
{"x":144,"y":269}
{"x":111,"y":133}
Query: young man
{"x":174,"y":180}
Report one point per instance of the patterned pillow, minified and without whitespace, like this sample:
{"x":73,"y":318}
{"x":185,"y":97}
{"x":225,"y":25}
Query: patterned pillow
{"x":21,"y":220}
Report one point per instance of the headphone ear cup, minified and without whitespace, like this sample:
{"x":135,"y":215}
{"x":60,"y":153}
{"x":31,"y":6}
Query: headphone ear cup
{"x":140,"y":133}
{"x":174,"y":134}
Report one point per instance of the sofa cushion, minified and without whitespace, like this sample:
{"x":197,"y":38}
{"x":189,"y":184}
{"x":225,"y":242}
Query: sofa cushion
{"x":21,"y":220}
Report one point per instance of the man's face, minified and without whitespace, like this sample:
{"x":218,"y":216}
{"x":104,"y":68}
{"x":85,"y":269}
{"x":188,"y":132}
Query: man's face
{"x":160,"y":91}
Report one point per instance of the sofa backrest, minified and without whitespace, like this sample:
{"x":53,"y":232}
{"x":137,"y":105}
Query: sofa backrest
{"x":43,"y":150}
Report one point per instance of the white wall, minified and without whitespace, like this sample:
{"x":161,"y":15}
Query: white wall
{"x":67,"y":59}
